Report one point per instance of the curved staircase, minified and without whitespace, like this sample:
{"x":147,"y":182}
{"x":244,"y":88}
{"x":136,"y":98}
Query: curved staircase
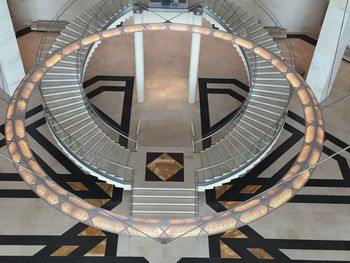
{"x":68,"y":114}
{"x":261,"y":118}
{"x":77,"y":132}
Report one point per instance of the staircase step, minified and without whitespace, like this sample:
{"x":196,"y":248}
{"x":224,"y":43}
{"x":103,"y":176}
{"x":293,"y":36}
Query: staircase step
{"x":162,"y":212}
{"x":167,"y":200}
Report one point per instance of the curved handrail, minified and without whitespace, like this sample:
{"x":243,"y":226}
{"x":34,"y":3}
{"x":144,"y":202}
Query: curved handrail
{"x":91,"y":110}
{"x":121,"y":133}
{"x":233,"y":118}
{"x":275,"y":127}
{"x":89,"y":26}
{"x":52,"y":120}
{"x":81,"y":62}
{"x":54,"y":124}
{"x":266,"y":195}
{"x":58,"y":15}
{"x":167,"y":229}
{"x":290,"y":59}
{"x":81,"y":65}
{"x":49,"y":117}
{"x":251,"y":73}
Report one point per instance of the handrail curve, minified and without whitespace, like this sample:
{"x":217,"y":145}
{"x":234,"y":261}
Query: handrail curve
{"x":165,"y":230}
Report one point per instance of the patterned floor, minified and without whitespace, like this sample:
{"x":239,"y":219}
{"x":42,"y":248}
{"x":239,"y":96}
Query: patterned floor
{"x":165,"y":167}
{"x":79,"y":240}
{"x":313,"y":227}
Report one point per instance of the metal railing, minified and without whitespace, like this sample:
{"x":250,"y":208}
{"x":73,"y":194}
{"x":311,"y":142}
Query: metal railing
{"x":47,"y":41}
{"x":111,"y":130}
{"x":81,"y":58}
{"x":168,"y":230}
{"x":44,"y":51}
{"x":59,"y":132}
{"x":196,"y":202}
{"x":93,"y":25}
{"x":272,"y":134}
{"x":288,"y":55}
{"x":249,"y":153}
{"x":284,"y":45}
{"x":80,"y":147}
{"x":209,"y":136}
{"x":82,"y":54}
{"x":132,"y":195}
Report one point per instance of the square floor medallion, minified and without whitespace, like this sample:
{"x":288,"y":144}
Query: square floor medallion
{"x":165,"y":167}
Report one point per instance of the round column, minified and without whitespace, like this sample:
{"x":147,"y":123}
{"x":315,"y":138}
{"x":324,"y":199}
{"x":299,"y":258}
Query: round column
{"x":139,"y":56}
{"x":194,"y":60}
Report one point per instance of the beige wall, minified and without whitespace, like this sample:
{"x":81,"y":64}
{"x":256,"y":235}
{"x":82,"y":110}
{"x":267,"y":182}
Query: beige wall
{"x":23,"y":12}
{"x":303,"y":16}
{"x":295,"y":15}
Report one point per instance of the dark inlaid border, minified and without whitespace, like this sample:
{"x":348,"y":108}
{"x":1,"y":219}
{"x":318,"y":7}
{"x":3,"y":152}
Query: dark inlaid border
{"x":204,"y":93}
{"x":128,"y":90}
{"x":23,"y":31}
{"x":304,"y":37}
{"x":308,"y":39}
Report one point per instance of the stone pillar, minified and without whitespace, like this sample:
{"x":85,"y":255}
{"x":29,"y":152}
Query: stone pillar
{"x":332,"y":42}
{"x":194,"y":60}
{"x":139,"y":56}
{"x":11,"y":66}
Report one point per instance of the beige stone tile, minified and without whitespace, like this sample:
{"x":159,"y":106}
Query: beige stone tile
{"x":20,"y":250}
{"x":309,"y":254}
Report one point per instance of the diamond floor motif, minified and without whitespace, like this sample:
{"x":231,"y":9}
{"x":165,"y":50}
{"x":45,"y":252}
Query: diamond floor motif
{"x":165,"y":166}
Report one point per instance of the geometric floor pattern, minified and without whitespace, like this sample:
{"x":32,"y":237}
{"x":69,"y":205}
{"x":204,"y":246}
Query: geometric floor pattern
{"x":245,"y":244}
{"x":81,"y":243}
{"x":239,"y":245}
{"x":165,"y":167}
{"x":206,"y":92}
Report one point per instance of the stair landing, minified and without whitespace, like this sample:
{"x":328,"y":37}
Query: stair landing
{"x":164,"y":182}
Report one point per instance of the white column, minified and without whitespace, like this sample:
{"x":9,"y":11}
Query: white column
{"x":139,"y":57}
{"x":330,"y":49}
{"x":195,"y":52}
{"x":11,"y":66}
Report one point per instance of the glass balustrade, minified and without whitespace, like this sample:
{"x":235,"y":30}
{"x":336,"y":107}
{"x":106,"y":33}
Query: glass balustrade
{"x":258,"y":206}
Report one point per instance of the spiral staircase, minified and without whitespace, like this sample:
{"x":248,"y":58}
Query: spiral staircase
{"x":260,"y":119}
{"x":76,"y":126}
{"x":70,"y":138}
{"x":71,"y":118}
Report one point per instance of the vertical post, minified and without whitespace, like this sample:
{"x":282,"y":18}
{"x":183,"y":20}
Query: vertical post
{"x":139,"y":56}
{"x":330,"y":48}
{"x":11,"y":66}
{"x":195,"y":52}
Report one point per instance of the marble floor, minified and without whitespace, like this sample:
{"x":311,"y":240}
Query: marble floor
{"x":312,"y":227}
{"x":165,"y":115}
